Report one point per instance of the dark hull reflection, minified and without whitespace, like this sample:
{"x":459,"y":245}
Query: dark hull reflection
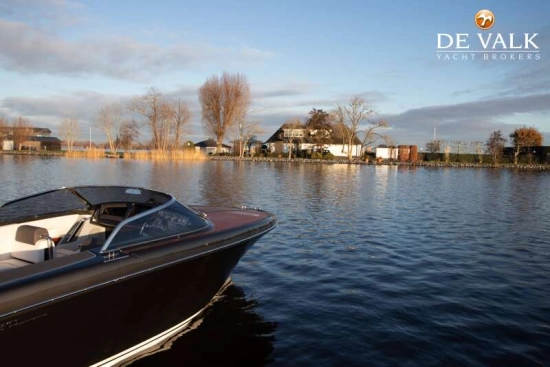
{"x":227,"y":332}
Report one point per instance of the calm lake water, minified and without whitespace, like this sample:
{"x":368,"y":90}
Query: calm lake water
{"x":369,"y":266}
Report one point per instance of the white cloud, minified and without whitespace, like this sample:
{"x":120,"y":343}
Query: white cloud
{"x":29,"y":50}
{"x":467,"y":121}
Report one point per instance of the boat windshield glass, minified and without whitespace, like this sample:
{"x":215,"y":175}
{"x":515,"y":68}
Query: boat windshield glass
{"x":51,"y":202}
{"x":112,"y":194}
{"x":174,"y":220}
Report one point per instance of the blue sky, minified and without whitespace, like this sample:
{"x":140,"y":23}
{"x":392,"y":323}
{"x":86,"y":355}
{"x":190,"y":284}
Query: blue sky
{"x":67,"y":59}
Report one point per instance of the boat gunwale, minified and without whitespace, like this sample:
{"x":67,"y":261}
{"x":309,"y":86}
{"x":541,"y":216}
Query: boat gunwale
{"x":212,"y":249}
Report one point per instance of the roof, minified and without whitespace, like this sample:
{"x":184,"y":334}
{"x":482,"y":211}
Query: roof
{"x":35,"y":130}
{"x":334,"y":139}
{"x":41,"y":130}
{"x":44,"y":139}
{"x":210,"y":143}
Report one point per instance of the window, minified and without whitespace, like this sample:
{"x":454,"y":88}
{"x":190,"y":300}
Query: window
{"x":172,"y":221}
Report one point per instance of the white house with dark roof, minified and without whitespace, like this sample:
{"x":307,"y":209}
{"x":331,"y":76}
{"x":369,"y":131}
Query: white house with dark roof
{"x":300,"y":138}
{"x":209,"y":146}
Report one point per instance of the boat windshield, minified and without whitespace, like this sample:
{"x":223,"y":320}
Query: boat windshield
{"x":36,"y":206}
{"x":69,"y":199}
{"x":173,"y":220}
{"x":112,"y":194}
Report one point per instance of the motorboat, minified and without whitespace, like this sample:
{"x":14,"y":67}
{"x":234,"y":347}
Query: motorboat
{"x":88,"y":273}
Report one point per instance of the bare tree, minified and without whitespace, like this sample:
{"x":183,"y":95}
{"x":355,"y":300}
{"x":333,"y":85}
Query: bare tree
{"x":181,"y":115}
{"x":3,"y":131}
{"x":434,"y":146}
{"x":129,"y":134}
{"x":477,"y":146}
{"x":495,"y":145}
{"x":447,"y":152}
{"x":371,"y":135}
{"x":21,"y":131}
{"x":110,"y":121}
{"x":69,"y":130}
{"x":164,"y":125}
{"x":149,"y":106}
{"x":225,"y":102}
{"x":292,"y":134}
{"x":525,"y":138}
{"x":459,"y":144}
{"x":247,"y":131}
{"x":349,"y":118}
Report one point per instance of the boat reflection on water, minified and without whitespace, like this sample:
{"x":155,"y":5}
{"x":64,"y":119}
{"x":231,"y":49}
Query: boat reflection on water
{"x":229,"y":331}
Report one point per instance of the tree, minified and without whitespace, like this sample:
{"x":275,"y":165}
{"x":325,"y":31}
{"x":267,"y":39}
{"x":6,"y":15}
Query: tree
{"x":224,"y":102}
{"x":495,"y":145}
{"x":292,"y":134}
{"x":447,"y":152}
{"x":477,"y":145}
{"x":129,"y":134}
{"x":349,"y":118}
{"x":3,"y":130}
{"x":149,"y":107}
{"x":434,"y":146}
{"x":69,"y":130}
{"x":247,"y":130}
{"x":181,"y":115}
{"x":459,"y":144}
{"x":525,"y":138}
{"x":110,"y":121}
{"x":319,"y":127}
{"x":20,"y":132}
{"x":166,"y":119}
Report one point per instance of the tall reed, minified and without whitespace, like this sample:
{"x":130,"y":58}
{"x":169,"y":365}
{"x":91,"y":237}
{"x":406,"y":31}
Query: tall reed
{"x":159,"y":155}
{"x":93,"y":153}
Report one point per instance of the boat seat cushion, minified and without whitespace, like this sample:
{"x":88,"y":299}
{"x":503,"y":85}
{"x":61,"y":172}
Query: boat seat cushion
{"x":31,"y":243}
{"x":9,"y":264}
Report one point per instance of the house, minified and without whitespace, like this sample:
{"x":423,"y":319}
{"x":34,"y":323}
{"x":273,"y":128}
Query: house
{"x":41,"y":143}
{"x":298,"y":138}
{"x":209,"y":147}
{"x":31,"y":138}
{"x":386,"y":152}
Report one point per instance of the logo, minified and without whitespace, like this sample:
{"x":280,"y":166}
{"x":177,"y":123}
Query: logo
{"x":487,"y":46}
{"x":484,"y":19}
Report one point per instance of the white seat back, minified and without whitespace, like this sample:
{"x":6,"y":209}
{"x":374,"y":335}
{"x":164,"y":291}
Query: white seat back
{"x":31,"y":244}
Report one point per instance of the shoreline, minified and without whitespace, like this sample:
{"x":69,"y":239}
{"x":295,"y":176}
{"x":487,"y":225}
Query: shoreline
{"x":521,"y":166}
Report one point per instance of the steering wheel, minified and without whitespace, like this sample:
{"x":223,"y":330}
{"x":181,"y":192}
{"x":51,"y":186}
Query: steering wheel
{"x":143,"y":228}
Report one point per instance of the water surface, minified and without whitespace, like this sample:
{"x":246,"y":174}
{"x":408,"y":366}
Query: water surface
{"x":370,"y":265}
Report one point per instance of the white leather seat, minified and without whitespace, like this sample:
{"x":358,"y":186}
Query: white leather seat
{"x":31,"y":244}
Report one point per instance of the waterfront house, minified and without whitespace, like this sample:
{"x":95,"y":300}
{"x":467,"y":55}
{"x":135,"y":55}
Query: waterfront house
{"x":32,"y":138}
{"x":299,"y":138}
{"x":209,"y":147}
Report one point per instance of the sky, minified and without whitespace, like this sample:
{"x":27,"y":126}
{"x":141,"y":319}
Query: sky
{"x":64,"y":59}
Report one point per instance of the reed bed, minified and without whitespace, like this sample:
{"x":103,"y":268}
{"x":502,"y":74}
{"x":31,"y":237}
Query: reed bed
{"x":93,"y":153}
{"x":157,"y":155}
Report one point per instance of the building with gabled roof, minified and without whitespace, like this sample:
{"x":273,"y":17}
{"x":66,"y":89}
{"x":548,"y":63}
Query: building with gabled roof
{"x":298,"y":137}
{"x":30,"y":138}
{"x":209,"y":146}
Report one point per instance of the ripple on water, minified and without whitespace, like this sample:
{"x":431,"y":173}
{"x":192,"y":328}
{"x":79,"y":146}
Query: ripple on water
{"x":372,"y":265}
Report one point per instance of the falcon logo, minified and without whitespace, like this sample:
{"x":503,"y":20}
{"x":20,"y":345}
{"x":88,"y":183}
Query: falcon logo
{"x":484,"y":19}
